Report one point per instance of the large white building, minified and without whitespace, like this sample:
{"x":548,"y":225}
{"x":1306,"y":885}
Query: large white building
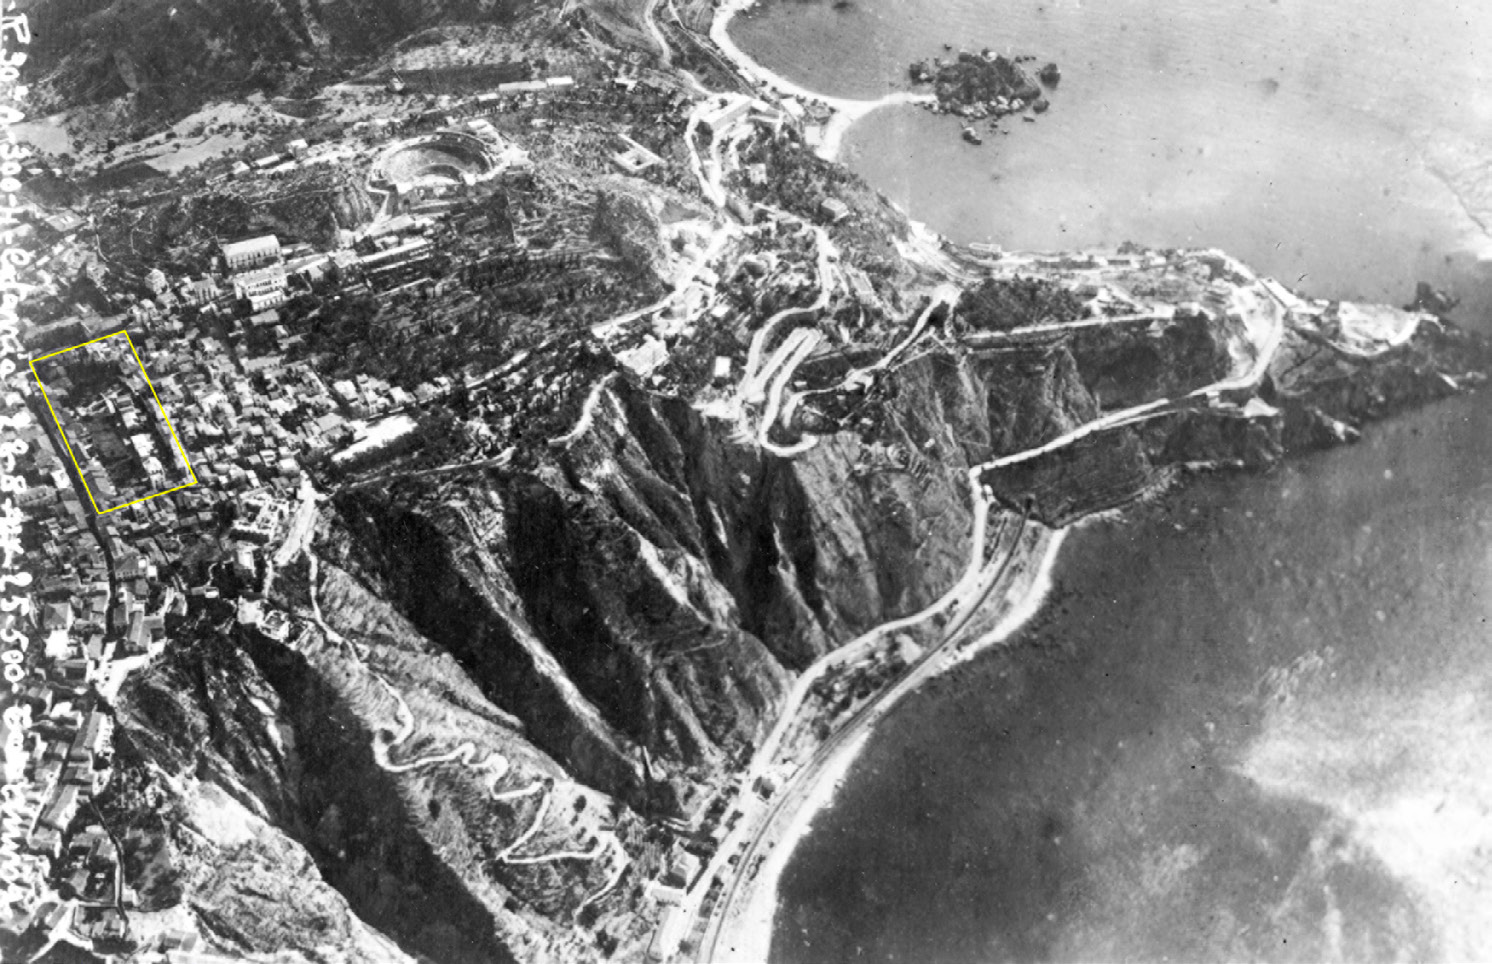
{"x":259,"y":281}
{"x":726,"y":112}
{"x":251,"y":252}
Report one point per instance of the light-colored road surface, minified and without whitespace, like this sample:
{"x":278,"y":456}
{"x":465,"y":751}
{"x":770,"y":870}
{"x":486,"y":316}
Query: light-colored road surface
{"x":533,"y":828}
{"x":495,"y":462}
{"x":298,"y":535}
{"x":751,"y":380}
{"x":801,"y":349}
{"x":1266,"y":345}
{"x":619,"y":866}
{"x":359,"y":654}
{"x":587,"y":414}
{"x":664,"y":51}
{"x":846,"y":111}
{"x":964,"y":600}
{"x":967,"y":600}
{"x":946,"y":296}
{"x":464,"y":753}
{"x":496,"y":767}
{"x":1166,"y":313}
{"x":765,"y":381}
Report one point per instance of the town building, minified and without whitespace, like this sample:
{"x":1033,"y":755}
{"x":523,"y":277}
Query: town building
{"x":251,"y":252}
{"x":834,"y":210}
{"x":633,"y":158}
{"x":200,"y":292}
{"x":723,"y":115}
{"x":270,"y":279}
{"x":669,"y":933}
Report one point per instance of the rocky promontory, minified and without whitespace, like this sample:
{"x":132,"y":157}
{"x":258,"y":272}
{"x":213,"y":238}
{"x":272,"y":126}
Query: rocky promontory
{"x":982,"y":85}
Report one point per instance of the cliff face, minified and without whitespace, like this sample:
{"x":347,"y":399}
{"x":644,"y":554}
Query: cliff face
{"x":283,"y":795}
{"x":508,"y":664}
{"x":656,"y":583}
{"x":206,"y":802}
{"x":653,"y":586}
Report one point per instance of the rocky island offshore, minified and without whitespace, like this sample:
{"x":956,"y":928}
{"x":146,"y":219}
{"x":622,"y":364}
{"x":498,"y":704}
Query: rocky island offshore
{"x":985,"y":85}
{"x":585,"y":464}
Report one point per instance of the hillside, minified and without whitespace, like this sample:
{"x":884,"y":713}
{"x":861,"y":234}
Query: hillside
{"x":580,"y":460}
{"x":153,"y":61}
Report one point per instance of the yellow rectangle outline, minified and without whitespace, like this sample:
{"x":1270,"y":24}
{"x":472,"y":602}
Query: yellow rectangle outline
{"x":68,"y":445}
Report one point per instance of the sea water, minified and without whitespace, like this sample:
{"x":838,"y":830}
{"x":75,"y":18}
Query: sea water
{"x":1253,"y":722}
{"x":1343,"y":146}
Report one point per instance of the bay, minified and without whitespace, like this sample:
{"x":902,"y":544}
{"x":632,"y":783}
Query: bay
{"x":1342,"y":146}
{"x":1251,"y":726}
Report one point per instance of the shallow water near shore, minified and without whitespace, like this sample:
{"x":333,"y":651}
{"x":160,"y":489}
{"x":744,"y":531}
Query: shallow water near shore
{"x":1341,"y":146}
{"x":1251,"y":726}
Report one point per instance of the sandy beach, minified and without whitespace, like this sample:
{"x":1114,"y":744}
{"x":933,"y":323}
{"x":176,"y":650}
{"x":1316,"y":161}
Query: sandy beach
{"x":747,"y":936}
{"x":846,"y":111}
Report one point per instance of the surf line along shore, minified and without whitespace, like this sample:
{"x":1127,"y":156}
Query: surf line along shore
{"x":846,"y":111}
{"x":742,"y":931}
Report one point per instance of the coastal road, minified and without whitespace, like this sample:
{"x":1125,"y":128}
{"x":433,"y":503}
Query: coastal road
{"x":969,"y":600}
{"x":762,"y":759}
{"x":766,"y":754}
{"x":966,"y":597}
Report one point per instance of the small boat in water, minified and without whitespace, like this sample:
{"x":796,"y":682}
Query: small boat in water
{"x":972,"y":136}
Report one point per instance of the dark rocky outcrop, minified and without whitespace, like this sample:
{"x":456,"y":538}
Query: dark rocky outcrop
{"x":978,"y":81}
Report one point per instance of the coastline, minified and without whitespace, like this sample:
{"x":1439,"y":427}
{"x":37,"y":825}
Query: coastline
{"x":846,"y":110}
{"x":747,"y":938}
{"x":750,"y":941}
{"x":1026,"y":609}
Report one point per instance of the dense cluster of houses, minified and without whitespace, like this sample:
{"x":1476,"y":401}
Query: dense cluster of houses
{"x":100,"y":613}
{"x":106,"y":587}
{"x":249,"y":413}
{"x":117,"y":433}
